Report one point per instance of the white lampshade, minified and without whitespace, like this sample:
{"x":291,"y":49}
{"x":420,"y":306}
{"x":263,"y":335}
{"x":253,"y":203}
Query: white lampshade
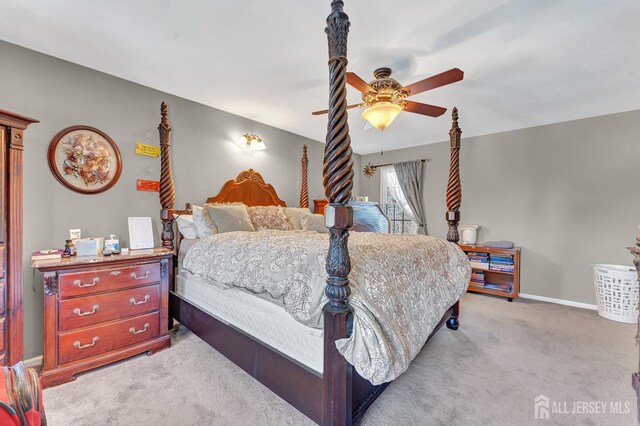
{"x":257,"y":145}
{"x":381,"y":114}
{"x":251,"y":142}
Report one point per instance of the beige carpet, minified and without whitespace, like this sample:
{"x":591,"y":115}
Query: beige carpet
{"x":486,"y":373}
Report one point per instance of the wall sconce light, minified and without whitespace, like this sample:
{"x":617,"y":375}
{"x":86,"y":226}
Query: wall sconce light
{"x":251,"y":142}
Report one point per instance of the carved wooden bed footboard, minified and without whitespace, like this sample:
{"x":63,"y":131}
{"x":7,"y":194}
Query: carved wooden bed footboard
{"x":338,"y":396}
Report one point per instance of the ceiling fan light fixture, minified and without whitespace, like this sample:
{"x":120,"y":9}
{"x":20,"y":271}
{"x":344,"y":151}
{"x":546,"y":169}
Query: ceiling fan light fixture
{"x":381,"y":114}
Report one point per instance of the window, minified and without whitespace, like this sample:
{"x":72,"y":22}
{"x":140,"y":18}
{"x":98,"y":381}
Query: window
{"x":392,"y":202}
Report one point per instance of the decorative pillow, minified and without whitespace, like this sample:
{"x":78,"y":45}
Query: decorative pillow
{"x":230,"y":217}
{"x":186,"y":226}
{"x":268,"y":217}
{"x":292,"y":215}
{"x":204,"y":225}
{"x":312,"y":222}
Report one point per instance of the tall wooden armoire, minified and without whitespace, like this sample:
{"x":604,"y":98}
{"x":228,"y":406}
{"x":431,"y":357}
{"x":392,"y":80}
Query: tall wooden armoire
{"x":12,"y":128}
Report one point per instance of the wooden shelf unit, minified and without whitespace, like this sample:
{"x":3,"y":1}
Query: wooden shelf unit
{"x":497,"y":277}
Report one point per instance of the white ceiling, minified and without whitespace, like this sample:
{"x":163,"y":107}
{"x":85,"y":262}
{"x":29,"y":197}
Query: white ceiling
{"x":526,"y":62}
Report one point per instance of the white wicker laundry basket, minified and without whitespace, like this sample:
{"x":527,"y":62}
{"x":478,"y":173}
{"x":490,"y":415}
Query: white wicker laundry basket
{"x":617,"y":292}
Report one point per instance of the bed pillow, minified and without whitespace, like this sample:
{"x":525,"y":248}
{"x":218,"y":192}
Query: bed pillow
{"x":230,"y":217}
{"x":312,"y":222}
{"x":268,"y":217}
{"x":204,"y":225}
{"x":292,"y":215}
{"x":186,"y":227}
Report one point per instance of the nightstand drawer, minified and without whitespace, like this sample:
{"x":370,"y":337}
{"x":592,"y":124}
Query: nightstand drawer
{"x":84,"y":311}
{"x":84,"y":343}
{"x":81,"y":283}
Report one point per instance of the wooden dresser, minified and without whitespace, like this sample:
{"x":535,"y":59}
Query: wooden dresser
{"x":98,"y":310}
{"x":12,"y":128}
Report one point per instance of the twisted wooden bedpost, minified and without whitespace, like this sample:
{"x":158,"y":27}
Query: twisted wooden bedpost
{"x":304,"y":191}
{"x":635,"y":378}
{"x":454,"y":200}
{"x":338,"y":182}
{"x":167,"y":190}
{"x":454,"y":188}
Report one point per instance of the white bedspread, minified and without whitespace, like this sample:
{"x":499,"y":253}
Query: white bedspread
{"x":401,"y":286}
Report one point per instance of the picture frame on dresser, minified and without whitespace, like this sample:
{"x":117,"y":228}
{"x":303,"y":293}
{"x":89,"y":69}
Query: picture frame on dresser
{"x":103,"y":309}
{"x":140,"y":233}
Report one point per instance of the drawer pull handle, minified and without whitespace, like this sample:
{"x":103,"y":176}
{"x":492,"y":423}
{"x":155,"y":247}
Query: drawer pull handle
{"x":88,"y":345}
{"x":78,"y":312}
{"x":135,"y":277}
{"x":142,"y":302}
{"x":93,"y":282}
{"x":132,"y":330}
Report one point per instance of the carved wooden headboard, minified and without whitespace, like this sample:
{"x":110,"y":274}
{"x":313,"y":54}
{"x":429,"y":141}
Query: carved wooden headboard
{"x":249,"y":188}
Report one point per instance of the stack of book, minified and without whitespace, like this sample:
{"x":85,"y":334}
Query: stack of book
{"x":50,"y":254}
{"x":506,"y":287}
{"x":477,"y":279}
{"x":478,"y":260}
{"x":501,"y":262}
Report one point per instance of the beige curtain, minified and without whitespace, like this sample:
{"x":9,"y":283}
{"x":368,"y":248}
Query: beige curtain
{"x":393,"y":185}
{"x":410,"y":175}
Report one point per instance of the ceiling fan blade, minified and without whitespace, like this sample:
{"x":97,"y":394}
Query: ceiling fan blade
{"x":358,"y":83}
{"x":324,"y":111}
{"x":425,"y":109}
{"x":437,"y":80}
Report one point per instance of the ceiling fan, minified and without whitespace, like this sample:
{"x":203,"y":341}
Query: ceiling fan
{"x":386,"y":98}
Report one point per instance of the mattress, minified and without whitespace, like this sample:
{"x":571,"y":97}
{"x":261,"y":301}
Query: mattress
{"x":185,"y":245}
{"x":264,"y":320}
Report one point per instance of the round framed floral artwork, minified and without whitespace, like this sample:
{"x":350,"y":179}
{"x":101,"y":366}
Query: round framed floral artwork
{"x":84,"y":159}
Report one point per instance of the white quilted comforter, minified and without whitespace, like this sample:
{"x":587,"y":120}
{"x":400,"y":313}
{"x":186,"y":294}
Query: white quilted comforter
{"x":401,"y":285}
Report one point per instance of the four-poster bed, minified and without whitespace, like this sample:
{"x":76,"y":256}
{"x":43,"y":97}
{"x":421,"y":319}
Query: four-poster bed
{"x":337,"y":395}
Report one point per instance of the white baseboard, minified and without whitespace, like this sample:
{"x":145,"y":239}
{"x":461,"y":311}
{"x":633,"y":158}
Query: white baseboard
{"x":34,"y":362}
{"x":558,"y":301}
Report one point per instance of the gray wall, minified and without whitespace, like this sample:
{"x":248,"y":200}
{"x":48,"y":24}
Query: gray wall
{"x":62,"y":94}
{"x":567,"y":193}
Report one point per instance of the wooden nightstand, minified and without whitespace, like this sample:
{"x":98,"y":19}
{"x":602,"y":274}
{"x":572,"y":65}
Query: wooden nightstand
{"x":98,"y":310}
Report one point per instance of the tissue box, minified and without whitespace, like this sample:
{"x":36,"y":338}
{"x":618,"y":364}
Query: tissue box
{"x":87,"y":247}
